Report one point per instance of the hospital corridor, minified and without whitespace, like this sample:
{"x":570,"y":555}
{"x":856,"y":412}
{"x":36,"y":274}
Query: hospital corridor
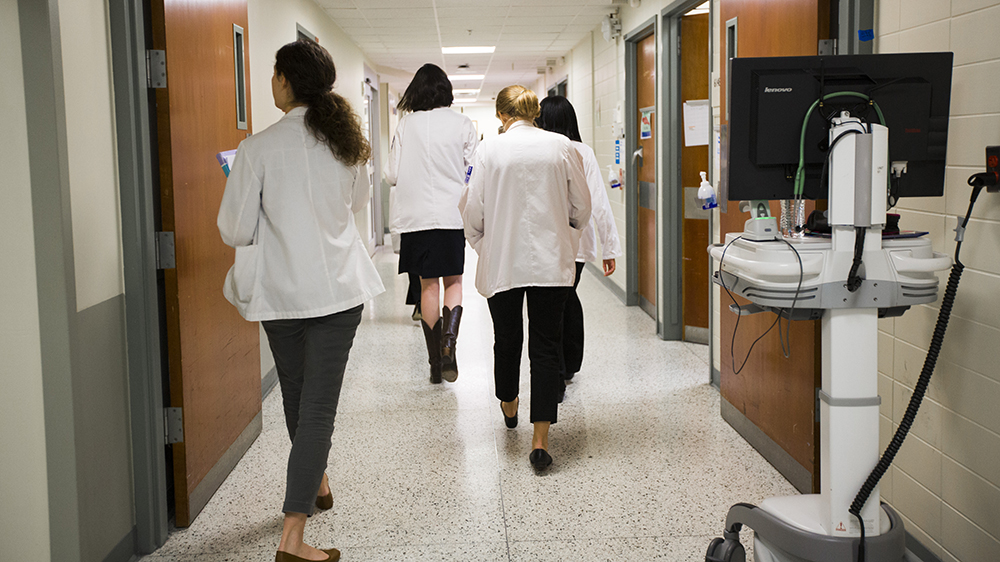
{"x":644,"y":467}
{"x":262,"y":264}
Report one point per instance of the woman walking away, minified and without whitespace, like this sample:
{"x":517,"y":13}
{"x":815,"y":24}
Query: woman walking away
{"x":428,"y":161}
{"x":301,"y":267}
{"x":558,"y":116}
{"x":526,"y":201}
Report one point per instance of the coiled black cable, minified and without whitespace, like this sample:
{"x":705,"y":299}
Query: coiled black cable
{"x":922,"y":382}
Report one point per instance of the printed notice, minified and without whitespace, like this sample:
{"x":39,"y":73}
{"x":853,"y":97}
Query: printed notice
{"x":696,"y":122}
{"x":646,"y":126}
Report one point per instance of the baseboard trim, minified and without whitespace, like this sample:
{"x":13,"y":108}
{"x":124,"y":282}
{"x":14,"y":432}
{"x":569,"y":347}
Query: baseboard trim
{"x":696,"y":334}
{"x":650,"y":309}
{"x":215,"y":477}
{"x":268,"y":383}
{"x":716,"y":378}
{"x":917,"y":551}
{"x":125,"y":550}
{"x":794,"y":472}
{"x":607,"y":282}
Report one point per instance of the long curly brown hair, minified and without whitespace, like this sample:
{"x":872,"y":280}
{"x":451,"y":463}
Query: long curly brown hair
{"x":309,"y":70}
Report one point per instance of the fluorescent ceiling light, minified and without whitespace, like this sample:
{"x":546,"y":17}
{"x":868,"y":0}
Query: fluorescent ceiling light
{"x":467,"y":50}
{"x":464,"y":77}
{"x":465,"y":91}
{"x":465,"y":100}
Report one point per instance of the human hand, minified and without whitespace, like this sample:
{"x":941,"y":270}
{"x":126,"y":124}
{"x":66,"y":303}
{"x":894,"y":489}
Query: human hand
{"x":609,"y":267}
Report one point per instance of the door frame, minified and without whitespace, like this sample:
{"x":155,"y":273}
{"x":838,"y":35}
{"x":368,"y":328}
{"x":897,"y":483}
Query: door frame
{"x":670,"y":303}
{"x":374,"y":116}
{"x":142,"y":312}
{"x":632,"y":39}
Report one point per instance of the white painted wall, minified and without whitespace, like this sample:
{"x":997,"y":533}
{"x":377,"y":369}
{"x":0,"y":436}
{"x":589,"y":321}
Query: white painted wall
{"x":485,"y":117}
{"x":90,"y":134}
{"x":24,"y":519}
{"x":946,"y":478}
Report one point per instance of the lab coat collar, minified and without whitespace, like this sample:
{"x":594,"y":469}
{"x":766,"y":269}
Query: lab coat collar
{"x":296,"y":111}
{"x":519,"y":123}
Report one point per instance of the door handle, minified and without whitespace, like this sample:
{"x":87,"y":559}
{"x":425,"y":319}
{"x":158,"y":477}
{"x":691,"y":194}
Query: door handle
{"x":637,"y":155}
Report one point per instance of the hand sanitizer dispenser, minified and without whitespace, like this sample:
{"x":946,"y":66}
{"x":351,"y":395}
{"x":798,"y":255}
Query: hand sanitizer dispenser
{"x":707,"y":193}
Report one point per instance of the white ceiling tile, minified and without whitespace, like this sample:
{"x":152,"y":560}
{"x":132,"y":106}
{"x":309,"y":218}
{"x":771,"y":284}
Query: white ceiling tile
{"x":398,"y":13}
{"x":335,"y":4}
{"x":489,"y":14}
{"x":338,"y":13}
{"x":470,"y":3}
{"x":348,"y":24}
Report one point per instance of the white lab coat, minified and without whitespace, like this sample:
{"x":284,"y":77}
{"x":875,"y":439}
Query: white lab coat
{"x":430,"y":154}
{"x":288,"y":209}
{"x":601,"y":215}
{"x":526,"y":201}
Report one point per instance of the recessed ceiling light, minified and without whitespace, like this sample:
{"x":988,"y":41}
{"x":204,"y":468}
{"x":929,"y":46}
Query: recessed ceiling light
{"x":465,"y":91}
{"x":467,"y":50}
{"x":465,"y":77}
{"x":465,"y":100}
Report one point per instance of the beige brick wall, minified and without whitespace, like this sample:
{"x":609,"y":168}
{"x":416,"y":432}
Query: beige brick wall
{"x":946,"y":479}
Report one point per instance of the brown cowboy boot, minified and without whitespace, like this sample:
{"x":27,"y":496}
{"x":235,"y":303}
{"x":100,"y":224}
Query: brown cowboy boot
{"x":449,"y":339}
{"x":433,"y":338}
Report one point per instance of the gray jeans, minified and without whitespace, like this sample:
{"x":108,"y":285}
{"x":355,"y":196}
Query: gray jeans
{"x":310,"y":355}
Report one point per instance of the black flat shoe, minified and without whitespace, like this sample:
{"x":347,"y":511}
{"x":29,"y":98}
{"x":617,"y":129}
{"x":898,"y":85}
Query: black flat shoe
{"x":510,"y":421}
{"x":540,"y":458}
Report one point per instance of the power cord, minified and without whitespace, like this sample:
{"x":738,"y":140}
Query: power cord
{"x":977,"y":181}
{"x":777,"y":319}
{"x":788,"y":323}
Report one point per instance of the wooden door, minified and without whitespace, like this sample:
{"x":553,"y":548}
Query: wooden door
{"x":214,"y":355}
{"x":772,"y":396}
{"x":694,"y":159}
{"x":646,"y":170}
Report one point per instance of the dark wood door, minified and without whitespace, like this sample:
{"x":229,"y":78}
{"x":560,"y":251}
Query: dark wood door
{"x":774,"y":394}
{"x":694,"y":159}
{"x":646,"y":170}
{"x":214,"y":354}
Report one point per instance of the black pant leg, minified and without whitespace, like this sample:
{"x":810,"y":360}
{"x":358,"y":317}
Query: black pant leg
{"x":572,"y":344}
{"x":287,"y":340}
{"x":508,"y":339}
{"x":545,"y":324}
{"x":413,"y":291}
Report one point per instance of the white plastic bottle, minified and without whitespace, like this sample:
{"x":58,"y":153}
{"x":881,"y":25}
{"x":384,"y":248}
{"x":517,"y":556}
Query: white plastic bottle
{"x":707,"y":193}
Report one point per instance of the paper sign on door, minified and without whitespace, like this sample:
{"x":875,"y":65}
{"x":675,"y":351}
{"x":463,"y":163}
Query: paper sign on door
{"x":646,"y":126}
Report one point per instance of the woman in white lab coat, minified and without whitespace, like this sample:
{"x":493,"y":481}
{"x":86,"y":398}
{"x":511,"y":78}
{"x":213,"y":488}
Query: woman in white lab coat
{"x":301,"y":266}
{"x":558,"y":116}
{"x":428,"y":163}
{"x":526,"y":201}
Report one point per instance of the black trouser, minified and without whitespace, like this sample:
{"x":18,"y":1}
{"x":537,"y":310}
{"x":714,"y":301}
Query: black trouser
{"x":545,"y":314}
{"x":413,"y":291}
{"x":310,"y":355}
{"x":572,"y":342}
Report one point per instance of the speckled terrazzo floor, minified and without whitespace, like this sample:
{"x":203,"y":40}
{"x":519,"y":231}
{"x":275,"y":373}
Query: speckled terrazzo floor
{"x":645,"y":468}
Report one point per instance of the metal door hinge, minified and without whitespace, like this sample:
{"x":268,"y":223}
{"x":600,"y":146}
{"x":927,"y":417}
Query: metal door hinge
{"x":165,"y":258}
{"x":173,"y":425}
{"x":826,"y":47}
{"x":156,"y":68}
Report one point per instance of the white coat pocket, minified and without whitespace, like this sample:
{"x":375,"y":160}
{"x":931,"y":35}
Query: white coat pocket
{"x":242,"y":278}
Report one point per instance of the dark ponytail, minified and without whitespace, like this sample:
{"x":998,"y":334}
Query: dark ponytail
{"x":309,"y":70}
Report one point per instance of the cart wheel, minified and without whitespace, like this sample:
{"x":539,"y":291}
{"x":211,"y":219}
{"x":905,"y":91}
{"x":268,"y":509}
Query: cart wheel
{"x":725,"y":550}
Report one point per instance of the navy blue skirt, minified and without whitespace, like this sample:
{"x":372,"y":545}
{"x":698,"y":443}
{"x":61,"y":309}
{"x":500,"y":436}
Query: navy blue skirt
{"x":432,"y":253}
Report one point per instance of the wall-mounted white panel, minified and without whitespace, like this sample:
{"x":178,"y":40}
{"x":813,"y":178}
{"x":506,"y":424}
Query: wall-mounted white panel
{"x":90,"y":134}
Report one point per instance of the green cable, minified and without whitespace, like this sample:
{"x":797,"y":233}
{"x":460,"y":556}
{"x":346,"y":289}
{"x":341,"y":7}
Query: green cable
{"x":800,"y":173}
